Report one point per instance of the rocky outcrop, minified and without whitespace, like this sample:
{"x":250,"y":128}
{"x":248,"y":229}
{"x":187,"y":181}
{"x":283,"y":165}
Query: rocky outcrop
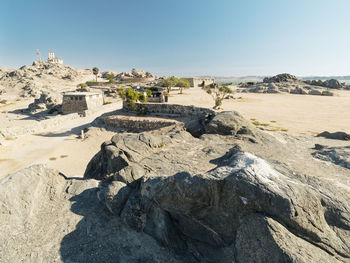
{"x":211,"y":200}
{"x":47,"y":101}
{"x":331,"y":83}
{"x":47,"y":217}
{"x":136,"y":75}
{"x":281,"y":78}
{"x":337,"y":155}
{"x":31,"y":81}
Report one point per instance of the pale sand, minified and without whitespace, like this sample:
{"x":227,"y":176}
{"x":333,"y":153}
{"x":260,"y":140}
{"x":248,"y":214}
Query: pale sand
{"x":59,"y":147}
{"x":300,"y":114}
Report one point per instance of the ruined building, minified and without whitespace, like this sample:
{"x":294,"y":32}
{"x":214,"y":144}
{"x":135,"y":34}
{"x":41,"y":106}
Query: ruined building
{"x":200,"y":82}
{"x":81,"y":101}
{"x":53,"y":59}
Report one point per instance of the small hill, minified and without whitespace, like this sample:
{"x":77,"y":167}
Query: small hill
{"x":31,"y":80}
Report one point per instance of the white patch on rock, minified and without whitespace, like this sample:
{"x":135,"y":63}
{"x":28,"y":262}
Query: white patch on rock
{"x":244,"y":200}
{"x":250,"y":165}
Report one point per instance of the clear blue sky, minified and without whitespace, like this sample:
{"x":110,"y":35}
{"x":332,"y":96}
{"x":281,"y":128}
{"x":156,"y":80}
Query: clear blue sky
{"x":181,"y":37}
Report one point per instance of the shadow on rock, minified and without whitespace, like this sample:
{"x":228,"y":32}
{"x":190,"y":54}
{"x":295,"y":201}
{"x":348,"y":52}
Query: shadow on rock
{"x":100,"y":237}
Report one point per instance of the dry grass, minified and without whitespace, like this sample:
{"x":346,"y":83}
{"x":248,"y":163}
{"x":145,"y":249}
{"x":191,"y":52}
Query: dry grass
{"x":52,"y":158}
{"x":257,"y":123}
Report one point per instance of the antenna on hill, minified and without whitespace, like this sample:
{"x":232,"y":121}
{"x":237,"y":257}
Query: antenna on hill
{"x":38,"y":55}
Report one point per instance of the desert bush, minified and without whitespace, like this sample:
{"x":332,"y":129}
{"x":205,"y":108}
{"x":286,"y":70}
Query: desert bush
{"x":183,"y":84}
{"x":218,"y":93}
{"x":131,"y":96}
{"x":169,"y":83}
{"x":82,"y":85}
{"x":95,"y":71}
{"x":148,"y":92}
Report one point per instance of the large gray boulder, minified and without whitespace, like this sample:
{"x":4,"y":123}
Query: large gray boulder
{"x":281,"y":78}
{"x":229,"y":123}
{"x":244,"y":210}
{"x":215,"y":199}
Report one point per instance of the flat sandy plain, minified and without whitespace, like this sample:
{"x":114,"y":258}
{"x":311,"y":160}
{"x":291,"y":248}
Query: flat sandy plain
{"x":60,"y":147}
{"x":300,"y":114}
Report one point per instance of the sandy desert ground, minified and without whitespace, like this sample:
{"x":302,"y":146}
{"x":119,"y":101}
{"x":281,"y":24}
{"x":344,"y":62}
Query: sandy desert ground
{"x":59,"y":146}
{"x":300,"y":114}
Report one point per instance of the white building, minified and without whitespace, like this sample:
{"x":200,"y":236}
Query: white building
{"x":53,"y":59}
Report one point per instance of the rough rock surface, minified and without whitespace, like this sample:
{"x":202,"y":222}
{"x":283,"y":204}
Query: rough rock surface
{"x":48,"y":218}
{"x":213,"y":199}
{"x":291,"y":84}
{"x":280,"y":78}
{"x":235,"y":194}
{"x":332,"y":83}
{"x":31,"y":81}
{"x":337,"y":155}
{"x":46,"y":101}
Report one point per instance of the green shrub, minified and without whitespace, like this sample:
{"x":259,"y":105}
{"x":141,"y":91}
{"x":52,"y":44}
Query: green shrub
{"x":218,"y":93}
{"x":148,"y":92}
{"x":82,"y":85}
{"x":131,"y":96}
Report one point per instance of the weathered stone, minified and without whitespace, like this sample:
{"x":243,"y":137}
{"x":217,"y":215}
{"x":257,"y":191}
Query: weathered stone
{"x":315,"y":92}
{"x":280,"y":78}
{"x":115,"y":196}
{"x":229,"y":123}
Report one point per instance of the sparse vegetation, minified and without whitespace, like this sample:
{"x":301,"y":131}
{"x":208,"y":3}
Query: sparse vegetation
{"x":218,"y":93}
{"x":169,"y":83}
{"x":64,"y":156}
{"x":52,"y":158}
{"x":148,"y":92}
{"x":110,"y":77}
{"x":183,"y":84}
{"x":257,"y":123}
{"x":95,"y":71}
{"x":131,"y":96}
{"x":82,"y":85}
{"x":273,"y":121}
{"x":107,"y":102}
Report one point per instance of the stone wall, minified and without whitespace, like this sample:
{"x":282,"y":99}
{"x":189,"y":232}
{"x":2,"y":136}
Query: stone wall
{"x":197,"y":82}
{"x":100,"y":84}
{"x":135,"y":123}
{"x":81,"y":103}
{"x":172,"y":109}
